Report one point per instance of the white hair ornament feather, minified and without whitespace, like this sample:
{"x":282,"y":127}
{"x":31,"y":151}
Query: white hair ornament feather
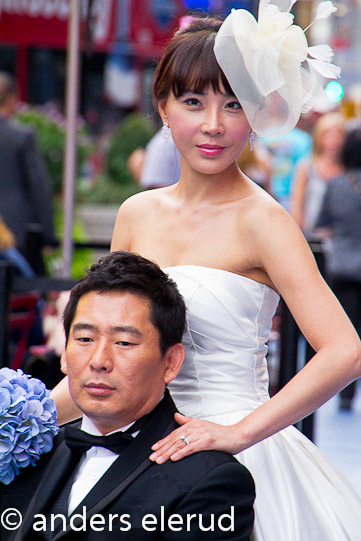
{"x":271,"y":69}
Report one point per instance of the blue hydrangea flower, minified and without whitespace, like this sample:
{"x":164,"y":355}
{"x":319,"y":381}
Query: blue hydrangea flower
{"x":27,"y":422}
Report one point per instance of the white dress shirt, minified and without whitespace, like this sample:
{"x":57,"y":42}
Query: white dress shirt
{"x":93,"y":465}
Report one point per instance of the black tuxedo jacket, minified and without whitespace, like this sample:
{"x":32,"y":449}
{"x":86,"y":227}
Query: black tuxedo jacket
{"x":137,"y":499}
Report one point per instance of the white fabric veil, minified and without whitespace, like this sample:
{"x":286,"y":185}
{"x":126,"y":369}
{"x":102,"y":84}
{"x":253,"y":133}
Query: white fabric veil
{"x":267,"y":65}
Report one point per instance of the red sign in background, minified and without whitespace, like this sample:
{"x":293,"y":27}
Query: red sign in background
{"x":43,"y":23}
{"x":151,"y":24}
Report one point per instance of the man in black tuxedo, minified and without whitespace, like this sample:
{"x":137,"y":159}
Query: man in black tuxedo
{"x":123,"y":326}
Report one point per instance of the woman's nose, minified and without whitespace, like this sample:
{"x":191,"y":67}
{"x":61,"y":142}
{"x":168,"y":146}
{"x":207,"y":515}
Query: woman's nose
{"x":212,"y":122}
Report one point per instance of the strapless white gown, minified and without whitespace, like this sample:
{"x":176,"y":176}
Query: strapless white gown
{"x":300,"y":496}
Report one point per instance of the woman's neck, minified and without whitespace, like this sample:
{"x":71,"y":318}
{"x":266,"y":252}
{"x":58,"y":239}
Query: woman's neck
{"x":195,"y":187}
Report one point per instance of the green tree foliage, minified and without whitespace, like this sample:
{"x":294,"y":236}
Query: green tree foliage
{"x":135,"y":131}
{"x":49,"y":126}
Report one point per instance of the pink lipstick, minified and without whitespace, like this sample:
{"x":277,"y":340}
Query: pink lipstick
{"x":210,"y":150}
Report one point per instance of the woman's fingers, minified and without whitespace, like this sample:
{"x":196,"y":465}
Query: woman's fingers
{"x":193,"y":436}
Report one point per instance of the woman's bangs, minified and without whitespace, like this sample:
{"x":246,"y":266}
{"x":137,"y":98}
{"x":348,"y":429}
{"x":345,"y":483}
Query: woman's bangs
{"x":198,"y":71}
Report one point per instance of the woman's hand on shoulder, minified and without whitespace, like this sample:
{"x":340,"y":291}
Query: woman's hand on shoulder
{"x":192,"y":436}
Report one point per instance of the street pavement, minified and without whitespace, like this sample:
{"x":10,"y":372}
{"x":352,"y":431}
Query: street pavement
{"x":338,"y":435}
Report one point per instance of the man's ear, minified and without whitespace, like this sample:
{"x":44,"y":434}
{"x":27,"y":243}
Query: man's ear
{"x":162,"y":110}
{"x":174,"y":358}
{"x":63,"y":363}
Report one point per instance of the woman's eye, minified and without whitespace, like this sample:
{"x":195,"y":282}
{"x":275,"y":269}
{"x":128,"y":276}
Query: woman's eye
{"x":234,"y":104}
{"x":192,"y":101}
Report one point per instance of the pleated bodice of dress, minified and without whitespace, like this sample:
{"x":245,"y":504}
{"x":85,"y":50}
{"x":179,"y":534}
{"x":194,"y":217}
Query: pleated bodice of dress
{"x":229,"y":319}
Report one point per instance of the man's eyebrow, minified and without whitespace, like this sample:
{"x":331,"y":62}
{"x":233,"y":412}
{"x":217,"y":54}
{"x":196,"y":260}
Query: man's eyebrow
{"x":117,"y":329}
{"x":126,"y":328}
{"x":84,"y":326}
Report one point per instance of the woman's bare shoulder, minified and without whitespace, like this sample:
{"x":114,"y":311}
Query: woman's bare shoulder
{"x":267,"y":224}
{"x":136,"y":214}
{"x":142,"y":203}
{"x":261,"y":208}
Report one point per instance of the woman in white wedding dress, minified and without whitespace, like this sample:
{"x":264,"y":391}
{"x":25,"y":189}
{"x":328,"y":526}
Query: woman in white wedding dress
{"x":232,"y":250}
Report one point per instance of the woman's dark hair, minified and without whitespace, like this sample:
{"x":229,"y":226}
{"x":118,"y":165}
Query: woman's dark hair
{"x":126,"y":272}
{"x":351,"y":150}
{"x":189,"y":63}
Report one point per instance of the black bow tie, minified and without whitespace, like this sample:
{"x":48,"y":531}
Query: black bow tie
{"x":79,"y":441}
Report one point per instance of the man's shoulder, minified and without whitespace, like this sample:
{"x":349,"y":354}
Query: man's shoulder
{"x":23,"y":130}
{"x":16,"y":130}
{"x":207,"y":463}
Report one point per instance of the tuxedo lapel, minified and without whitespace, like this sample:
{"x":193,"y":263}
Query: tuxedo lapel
{"x":59,"y":468}
{"x":133,"y":461}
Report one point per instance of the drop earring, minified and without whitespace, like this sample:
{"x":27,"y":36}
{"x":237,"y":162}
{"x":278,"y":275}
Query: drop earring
{"x":165,"y":132}
{"x":251,"y":140}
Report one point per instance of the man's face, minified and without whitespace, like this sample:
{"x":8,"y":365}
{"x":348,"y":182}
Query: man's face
{"x":115,"y":367}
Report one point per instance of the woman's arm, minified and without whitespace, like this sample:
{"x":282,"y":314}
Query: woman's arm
{"x":280,"y":248}
{"x":67,"y":410}
{"x":298,"y":193}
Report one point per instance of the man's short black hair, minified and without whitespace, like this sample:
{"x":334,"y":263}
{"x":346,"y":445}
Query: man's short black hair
{"x":126,"y":272}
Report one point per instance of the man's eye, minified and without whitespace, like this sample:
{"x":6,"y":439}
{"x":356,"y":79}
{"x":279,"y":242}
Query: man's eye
{"x":83,"y":339}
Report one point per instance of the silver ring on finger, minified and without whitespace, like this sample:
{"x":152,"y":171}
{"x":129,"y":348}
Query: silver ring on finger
{"x":184,"y":440}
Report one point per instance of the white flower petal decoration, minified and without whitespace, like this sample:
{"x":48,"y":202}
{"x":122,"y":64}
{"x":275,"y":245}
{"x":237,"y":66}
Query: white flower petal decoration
{"x":324,"y":10}
{"x":265,"y":63}
{"x":326,"y":69}
{"x":321,"y":52}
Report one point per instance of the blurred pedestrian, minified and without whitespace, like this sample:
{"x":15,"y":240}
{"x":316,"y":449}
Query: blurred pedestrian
{"x":162,"y":163}
{"x":286,"y":151}
{"x":10,"y":254}
{"x":256,"y":164}
{"x":341,"y":214}
{"x":24,"y":186}
{"x":313,"y":175}
{"x":157,"y":165}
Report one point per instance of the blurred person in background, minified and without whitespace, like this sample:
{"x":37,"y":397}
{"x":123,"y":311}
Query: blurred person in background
{"x":162,"y":163}
{"x":286,"y":151}
{"x":10,"y":254}
{"x":313,"y":175}
{"x":341,"y":215}
{"x":256,"y":164}
{"x":24,"y":186}
{"x":157,"y":165}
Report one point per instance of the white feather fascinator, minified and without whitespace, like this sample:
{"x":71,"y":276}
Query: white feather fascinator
{"x":273,"y":72}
